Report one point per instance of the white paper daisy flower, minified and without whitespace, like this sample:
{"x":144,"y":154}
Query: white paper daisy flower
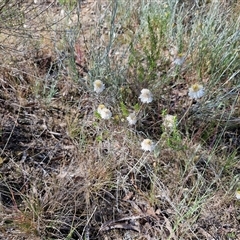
{"x":100,"y":108}
{"x":106,"y":113}
{"x":99,"y":86}
{"x":132,"y":119}
{"x":146,"y":96}
{"x":179,"y":61}
{"x":196,"y":91}
{"x":147,"y":145}
{"x":169,"y":121}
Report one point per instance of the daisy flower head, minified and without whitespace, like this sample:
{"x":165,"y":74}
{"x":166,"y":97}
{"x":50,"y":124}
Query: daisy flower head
{"x":99,"y":86}
{"x":100,"y":108}
{"x":146,"y":96}
{"x":237,"y":194}
{"x":196,"y":91}
{"x":106,"y":113}
{"x":147,"y":145}
{"x":169,"y":121}
{"x":179,"y":61}
{"x":132,"y":118}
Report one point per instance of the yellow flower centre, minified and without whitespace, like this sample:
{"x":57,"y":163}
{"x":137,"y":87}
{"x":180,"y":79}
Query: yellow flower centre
{"x":101,"y":106}
{"x":196,"y":87}
{"x":98,"y":83}
{"x":148,"y":142}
